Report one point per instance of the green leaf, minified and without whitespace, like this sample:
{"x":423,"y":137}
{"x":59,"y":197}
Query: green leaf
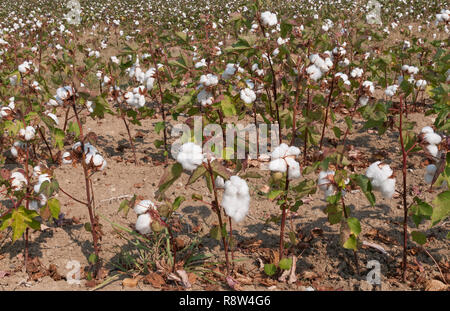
{"x":74,"y":128}
{"x":354,"y":225}
{"x":159,"y":126}
{"x":54,"y":206}
{"x":351,"y":243}
{"x":227,"y":107}
{"x":419,"y":237}
{"x":199,"y":172}
{"x":176,"y":204}
{"x":274,"y":194}
{"x":215,"y":233}
{"x":305,"y":188}
{"x":364,"y":183}
{"x":19,"y":220}
{"x":92,"y":258}
{"x":285,"y":263}
{"x":337,"y":132}
{"x":270,"y":269}
{"x":441,"y":208}
{"x":171,"y":174}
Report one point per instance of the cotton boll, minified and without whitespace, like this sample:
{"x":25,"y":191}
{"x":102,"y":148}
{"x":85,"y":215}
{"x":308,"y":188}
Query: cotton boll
{"x":433,"y":150}
{"x":220,"y":182}
{"x":293,"y":151}
{"x":432,"y":138}
{"x":278,"y":165}
{"x":18,"y":180}
{"x":387,"y":188}
{"x":209,"y":80}
{"x":268,"y":18}
{"x":143,"y":206}
{"x":378,"y":172}
{"x":143,"y":223}
{"x":190,"y":156}
{"x":323,"y":181}
{"x":329,"y":191}
{"x":427,"y":129}
{"x":430,"y":171}
{"x":363,"y":100}
{"x":314,"y":72}
{"x":293,"y":169}
{"x":67,"y":158}
{"x":33,"y":206}
{"x":248,"y":95}
{"x":356,"y":73}
{"x":236,"y":198}
{"x":205,"y":98}
{"x":280,"y":151}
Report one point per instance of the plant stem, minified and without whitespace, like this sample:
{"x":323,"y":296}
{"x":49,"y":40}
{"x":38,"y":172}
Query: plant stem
{"x":219,"y":215}
{"x":326,"y":113}
{"x":88,"y":189}
{"x":405,"y":206}
{"x":283,"y":215}
{"x":355,"y":255}
{"x":131,"y":140}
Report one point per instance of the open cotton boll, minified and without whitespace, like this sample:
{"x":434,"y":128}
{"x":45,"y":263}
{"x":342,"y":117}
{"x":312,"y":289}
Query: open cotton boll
{"x":293,"y":169}
{"x":268,"y":18}
{"x":356,"y":73}
{"x":280,"y":151}
{"x":329,"y":191}
{"x":247,"y":95}
{"x":293,"y":151}
{"x":205,"y":98}
{"x":220,"y":182}
{"x":363,"y":100}
{"x":42,"y":178}
{"x":67,"y":158}
{"x":33,"y":205}
{"x":323,"y":180}
{"x":143,"y":206}
{"x":427,"y":129}
{"x":278,"y":165}
{"x":28,"y":133}
{"x":18,"y":180}
{"x":433,"y":150}
{"x":378,"y":172}
{"x":432,"y":138}
{"x":314,"y":72}
{"x":387,"y":188}
{"x":143,"y":223}
{"x":209,"y":80}
{"x":190,"y":156}
{"x":236,"y":198}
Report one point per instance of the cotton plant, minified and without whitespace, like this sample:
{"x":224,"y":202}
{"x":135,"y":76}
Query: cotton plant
{"x":285,"y":171}
{"x":199,"y":163}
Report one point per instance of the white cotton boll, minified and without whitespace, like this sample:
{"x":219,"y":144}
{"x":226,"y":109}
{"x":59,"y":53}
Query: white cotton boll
{"x":89,"y":157}
{"x":220,"y":182}
{"x":363,"y":100}
{"x":391,"y":90}
{"x":329,"y":191}
{"x":42,"y":178}
{"x":268,"y":18}
{"x":66,"y":158}
{"x":421,"y":84}
{"x":209,"y":80}
{"x":427,"y":129}
{"x":378,"y":172}
{"x":433,"y":150}
{"x":97,"y":160}
{"x":280,"y":151}
{"x":278,"y":165}
{"x":293,"y":168}
{"x":430,"y":171}
{"x":356,"y":73}
{"x":205,"y":98}
{"x":387,"y":188}
{"x":236,"y":198}
{"x":230,"y":70}
{"x":201,"y":63}
{"x":190,"y":156}
{"x":53,"y":117}
{"x":314,"y":72}
{"x":33,"y":206}
{"x":143,"y":206}
{"x":432,"y":138}
{"x":292,"y":151}
{"x":248,"y":95}
{"x":323,"y":181}
{"x":369,"y":86}
{"x":29,"y":133}
{"x":18,"y":180}
{"x":143,"y":223}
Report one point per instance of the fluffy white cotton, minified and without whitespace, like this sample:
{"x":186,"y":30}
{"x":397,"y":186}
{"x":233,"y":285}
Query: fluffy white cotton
{"x":427,"y":129}
{"x":190,"y":156}
{"x":433,"y":150}
{"x":42,"y":178}
{"x":143,"y":206}
{"x":205,"y":98}
{"x":67,"y":158}
{"x":391,"y":90}
{"x":143,"y":223}
{"x":28,"y":133}
{"x":18,"y":180}
{"x":356,"y":73}
{"x":236,"y":198}
{"x":283,"y":157}
{"x":293,"y":168}
{"x":387,"y":188}
{"x":220,"y":182}
{"x":268,"y":18}
{"x":314,"y":72}
{"x":368,"y":85}
{"x":209,"y":80}
{"x":432,"y":138}
{"x":248,"y":95}
{"x":363,"y":100}
{"x":421,"y":84}
{"x":230,"y":70}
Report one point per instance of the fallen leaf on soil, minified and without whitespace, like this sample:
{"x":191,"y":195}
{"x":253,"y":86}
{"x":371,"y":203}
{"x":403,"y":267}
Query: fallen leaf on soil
{"x":154,"y":279}
{"x":138,"y":185}
{"x":4,"y":273}
{"x":131,"y":283}
{"x":233,"y":284}
{"x":53,"y":273}
{"x":184,"y":278}
{"x":91,"y":283}
{"x":192,"y":278}
{"x":251,"y":243}
{"x":435,"y":285}
{"x":309,"y":275}
{"x":179,"y":242}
